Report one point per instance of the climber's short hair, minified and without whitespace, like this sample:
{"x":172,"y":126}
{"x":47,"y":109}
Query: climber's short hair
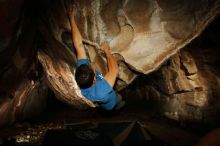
{"x":84,"y":76}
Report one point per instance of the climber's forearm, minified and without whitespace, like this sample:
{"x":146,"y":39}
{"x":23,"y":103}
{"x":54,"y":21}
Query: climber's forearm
{"x":77,"y":38}
{"x":112,"y":63}
{"x":112,"y":73}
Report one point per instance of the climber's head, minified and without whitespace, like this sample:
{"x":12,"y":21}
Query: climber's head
{"x":85,"y":76}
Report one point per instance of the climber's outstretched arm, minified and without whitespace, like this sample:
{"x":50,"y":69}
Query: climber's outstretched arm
{"x":76,"y":36}
{"x":112,"y":73}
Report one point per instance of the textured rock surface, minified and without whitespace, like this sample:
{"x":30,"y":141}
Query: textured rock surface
{"x":146,"y":32}
{"x":62,"y":81}
{"x":23,"y":93}
{"x":143,"y":34}
{"x":28,"y":100}
{"x":183,"y":92}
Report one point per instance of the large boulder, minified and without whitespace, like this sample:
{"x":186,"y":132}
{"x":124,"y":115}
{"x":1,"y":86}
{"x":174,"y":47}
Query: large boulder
{"x":142,"y":35}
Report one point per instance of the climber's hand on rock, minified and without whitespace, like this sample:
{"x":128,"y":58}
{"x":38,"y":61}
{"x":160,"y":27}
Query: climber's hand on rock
{"x":72,"y":11}
{"x":105,"y":47}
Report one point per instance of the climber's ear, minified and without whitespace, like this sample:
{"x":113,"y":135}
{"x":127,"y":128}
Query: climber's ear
{"x":94,"y":80}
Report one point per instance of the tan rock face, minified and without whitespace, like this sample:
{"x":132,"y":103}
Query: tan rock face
{"x":142,"y":34}
{"x":183,"y":93}
{"x":145,"y":33}
{"x":188,"y":92}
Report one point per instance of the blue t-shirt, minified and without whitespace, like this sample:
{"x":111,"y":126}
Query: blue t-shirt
{"x":100,"y":92}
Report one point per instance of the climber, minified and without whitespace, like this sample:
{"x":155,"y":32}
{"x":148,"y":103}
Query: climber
{"x":93,"y":85}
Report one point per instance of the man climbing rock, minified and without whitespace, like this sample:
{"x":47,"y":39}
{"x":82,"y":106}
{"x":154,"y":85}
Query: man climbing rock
{"x":93,"y":85}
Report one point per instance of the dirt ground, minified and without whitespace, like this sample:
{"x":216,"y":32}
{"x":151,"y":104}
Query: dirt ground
{"x":31,"y":132}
